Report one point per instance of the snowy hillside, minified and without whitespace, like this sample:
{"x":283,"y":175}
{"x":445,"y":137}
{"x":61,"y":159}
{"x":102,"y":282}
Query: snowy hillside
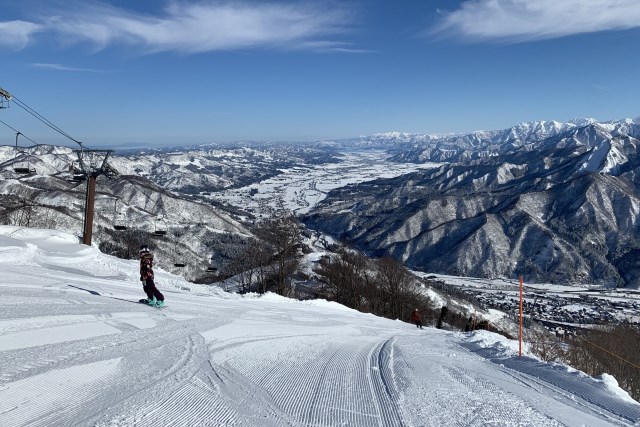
{"x":76,"y":349}
{"x":562,"y":209}
{"x":557,"y":202}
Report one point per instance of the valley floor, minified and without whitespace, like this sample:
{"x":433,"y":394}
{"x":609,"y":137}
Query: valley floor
{"x":77,"y":349}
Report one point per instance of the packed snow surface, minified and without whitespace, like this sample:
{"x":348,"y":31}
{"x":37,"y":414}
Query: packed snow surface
{"x":77,"y":349}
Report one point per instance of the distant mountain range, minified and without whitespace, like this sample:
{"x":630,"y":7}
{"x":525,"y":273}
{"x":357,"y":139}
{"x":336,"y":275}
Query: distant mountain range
{"x":556,"y":202}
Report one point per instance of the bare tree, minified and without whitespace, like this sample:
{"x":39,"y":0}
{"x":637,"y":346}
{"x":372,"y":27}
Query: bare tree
{"x":614,"y":350}
{"x":281,"y":233}
{"x":394,"y":281}
{"x":545,"y":345}
{"x":346,"y":278}
{"x":246,"y":266}
{"x":382,"y":287}
{"x":19,"y":212}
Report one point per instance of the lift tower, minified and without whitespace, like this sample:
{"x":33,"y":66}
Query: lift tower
{"x":5,"y":97}
{"x":93,"y":163}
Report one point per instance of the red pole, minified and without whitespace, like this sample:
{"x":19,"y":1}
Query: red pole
{"x":520,"y":333}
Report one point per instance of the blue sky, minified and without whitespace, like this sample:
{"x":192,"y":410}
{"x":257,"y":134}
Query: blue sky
{"x":168,"y":72}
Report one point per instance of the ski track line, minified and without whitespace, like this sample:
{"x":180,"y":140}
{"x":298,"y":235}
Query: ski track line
{"x":325,"y":399}
{"x":198,"y":401}
{"x":60,"y":355}
{"x":201,"y":403}
{"x":333,"y":392}
{"x":54,"y":402}
{"x":253,"y":404}
{"x":100,"y":399}
{"x":287,"y":378}
{"x":325,"y":386}
{"x":176,"y":396}
{"x":383,"y":385}
{"x":447,"y":389}
{"x":486,"y":403}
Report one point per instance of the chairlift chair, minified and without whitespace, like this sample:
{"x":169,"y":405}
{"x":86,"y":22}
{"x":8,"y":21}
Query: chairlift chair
{"x":178,"y":256}
{"x":159,"y":230}
{"x":179,"y":263}
{"x":119,"y":219}
{"x":24,"y":170}
{"x":77,"y":175}
{"x":210,"y":268}
{"x":22,"y":167}
{"x":120,"y":224}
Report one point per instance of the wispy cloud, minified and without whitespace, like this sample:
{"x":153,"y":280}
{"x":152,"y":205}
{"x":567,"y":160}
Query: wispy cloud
{"x":61,"y":67}
{"x":526,"y":20}
{"x":16,"y":34}
{"x":197,"y":27}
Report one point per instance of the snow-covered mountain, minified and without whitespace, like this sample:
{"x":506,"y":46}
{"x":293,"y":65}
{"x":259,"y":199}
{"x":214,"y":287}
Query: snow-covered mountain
{"x":561,"y":209}
{"x":481,"y":144}
{"x":208,"y":168}
{"x":51,"y":198}
{"x":76,"y":349}
{"x":556,"y":201}
{"x":477,"y":141}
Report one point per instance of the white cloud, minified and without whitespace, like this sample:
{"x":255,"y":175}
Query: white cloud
{"x":16,"y":34}
{"x":524,"y":20}
{"x":60,"y":67}
{"x":203,"y":26}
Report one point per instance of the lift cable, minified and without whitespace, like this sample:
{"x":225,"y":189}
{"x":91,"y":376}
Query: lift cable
{"x":44,"y":120}
{"x":17,"y":131}
{"x":91,"y":174}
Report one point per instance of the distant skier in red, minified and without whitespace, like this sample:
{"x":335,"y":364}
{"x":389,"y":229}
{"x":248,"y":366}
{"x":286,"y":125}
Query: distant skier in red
{"x":154,"y":296}
{"x":415,"y":317}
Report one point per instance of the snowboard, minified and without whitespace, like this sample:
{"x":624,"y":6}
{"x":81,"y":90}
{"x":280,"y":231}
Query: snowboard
{"x":144,"y":301}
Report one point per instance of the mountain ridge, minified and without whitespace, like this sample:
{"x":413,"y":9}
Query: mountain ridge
{"x":491,"y":188}
{"x":470,"y":216}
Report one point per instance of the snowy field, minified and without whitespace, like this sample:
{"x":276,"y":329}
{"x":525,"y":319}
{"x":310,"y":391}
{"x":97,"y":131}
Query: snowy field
{"x":76,"y":349}
{"x":300,"y":189}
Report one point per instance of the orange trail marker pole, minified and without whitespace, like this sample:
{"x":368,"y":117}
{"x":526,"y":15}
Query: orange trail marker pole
{"x":520,"y":334}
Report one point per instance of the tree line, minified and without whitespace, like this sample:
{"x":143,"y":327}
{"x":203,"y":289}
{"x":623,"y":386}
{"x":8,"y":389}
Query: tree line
{"x":384,"y":287}
{"x":605,"y":349}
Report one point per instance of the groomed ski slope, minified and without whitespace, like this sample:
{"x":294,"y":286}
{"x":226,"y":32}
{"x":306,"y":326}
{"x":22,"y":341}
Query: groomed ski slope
{"x":76,"y":349}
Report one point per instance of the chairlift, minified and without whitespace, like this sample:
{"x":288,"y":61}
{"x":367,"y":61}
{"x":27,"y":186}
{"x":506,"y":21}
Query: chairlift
{"x":178,"y":256}
{"x":119,"y":219}
{"x":22,"y":167}
{"x":77,"y":175}
{"x":22,"y":170}
{"x":120,"y":223}
{"x":159,"y":229}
